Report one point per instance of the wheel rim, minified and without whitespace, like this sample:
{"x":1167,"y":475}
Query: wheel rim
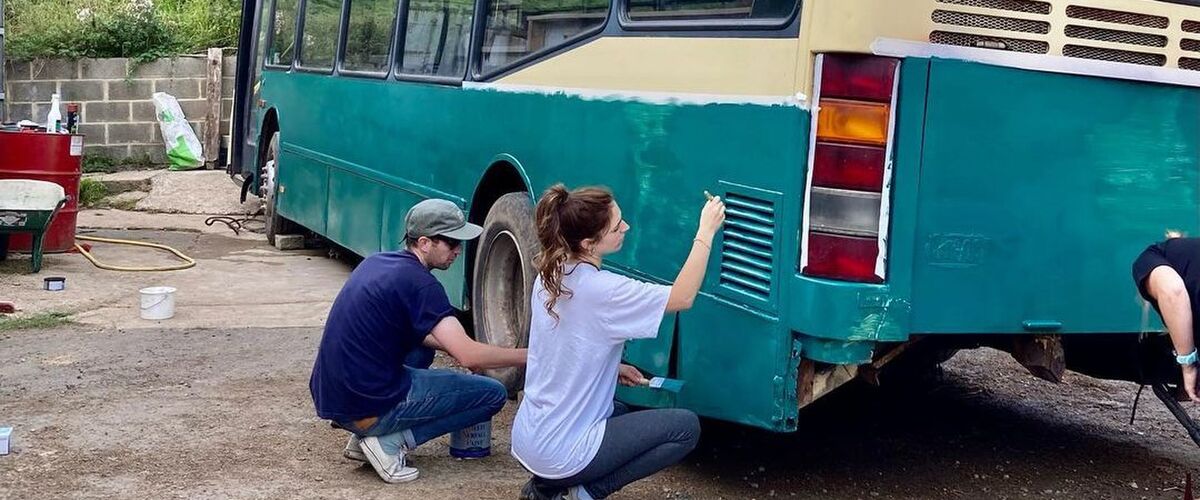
{"x":504,"y":293}
{"x":266,"y":188}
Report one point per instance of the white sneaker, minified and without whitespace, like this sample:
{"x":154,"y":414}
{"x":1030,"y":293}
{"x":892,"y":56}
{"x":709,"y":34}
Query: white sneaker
{"x":354,"y":450}
{"x":391,"y":468}
{"x":576,"y":493}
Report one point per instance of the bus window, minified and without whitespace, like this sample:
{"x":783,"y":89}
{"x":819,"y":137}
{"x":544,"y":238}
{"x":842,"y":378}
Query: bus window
{"x":518,"y":28}
{"x":369,"y":36}
{"x":283,"y":36}
{"x":709,"y":10}
{"x":263,"y":27}
{"x":437,"y":37}
{"x":322,"y":21}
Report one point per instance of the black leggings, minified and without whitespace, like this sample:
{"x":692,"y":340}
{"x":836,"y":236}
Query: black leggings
{"x":635,"y":445}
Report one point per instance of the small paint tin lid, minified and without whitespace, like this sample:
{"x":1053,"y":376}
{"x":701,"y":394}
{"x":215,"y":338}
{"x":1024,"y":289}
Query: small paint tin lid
{"x":55,"y":283}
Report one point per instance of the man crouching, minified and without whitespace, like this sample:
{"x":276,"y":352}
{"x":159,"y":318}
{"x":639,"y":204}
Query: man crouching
{"x":372,"y":374}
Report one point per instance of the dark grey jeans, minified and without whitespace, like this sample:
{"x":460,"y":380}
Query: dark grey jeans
{"x":635,"y":445}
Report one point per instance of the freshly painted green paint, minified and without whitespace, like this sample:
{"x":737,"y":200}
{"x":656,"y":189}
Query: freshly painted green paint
{"x":431,"y":140}
{"x":1039,"y":190}
{"x":1018,"y":201}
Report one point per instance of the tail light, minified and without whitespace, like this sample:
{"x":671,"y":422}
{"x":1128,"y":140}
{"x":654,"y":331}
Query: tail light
{"x":846,"y":197}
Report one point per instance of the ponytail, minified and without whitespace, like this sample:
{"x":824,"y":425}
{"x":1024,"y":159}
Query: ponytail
{"x":564,"y":219}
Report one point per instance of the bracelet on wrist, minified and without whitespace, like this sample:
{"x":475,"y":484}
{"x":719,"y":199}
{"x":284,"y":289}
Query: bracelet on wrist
{"x":1187,"y":359}
{"x":706,"y":245}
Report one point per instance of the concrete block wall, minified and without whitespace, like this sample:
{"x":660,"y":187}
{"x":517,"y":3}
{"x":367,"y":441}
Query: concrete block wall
{"x":114,"y":94}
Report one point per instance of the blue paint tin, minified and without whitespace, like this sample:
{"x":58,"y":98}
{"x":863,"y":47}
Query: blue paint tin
{"x":472,"y":442}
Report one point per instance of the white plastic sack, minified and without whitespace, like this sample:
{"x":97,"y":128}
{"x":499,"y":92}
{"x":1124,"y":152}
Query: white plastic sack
{"x":183,"y":147}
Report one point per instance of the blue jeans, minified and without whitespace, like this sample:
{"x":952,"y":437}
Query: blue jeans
{"x":438,"y":402}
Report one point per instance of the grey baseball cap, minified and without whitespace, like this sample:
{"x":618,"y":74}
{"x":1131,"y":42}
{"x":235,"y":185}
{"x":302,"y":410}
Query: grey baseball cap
{"x":436,"y":217}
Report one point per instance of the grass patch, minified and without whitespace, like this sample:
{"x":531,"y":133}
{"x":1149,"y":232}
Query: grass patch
{"x":91,"y":191}
{"x":142,"y":162}
{"x":98,"y":163}
{"x":40,"y":320}
{"x":14,"y":266}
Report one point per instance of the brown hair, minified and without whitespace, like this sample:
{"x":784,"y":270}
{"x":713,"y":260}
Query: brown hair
{"x":564,"y":220}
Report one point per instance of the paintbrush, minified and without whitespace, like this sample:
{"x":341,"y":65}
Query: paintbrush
{"x":707,"y":195}
{"x":666,"y":384}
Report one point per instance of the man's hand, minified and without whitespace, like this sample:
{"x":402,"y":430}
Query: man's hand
{"x":630,"y":376}
{"x":1189,"y":382}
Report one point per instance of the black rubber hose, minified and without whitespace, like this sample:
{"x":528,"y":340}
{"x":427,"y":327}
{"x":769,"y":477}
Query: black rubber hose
{"x":1176,"y":409}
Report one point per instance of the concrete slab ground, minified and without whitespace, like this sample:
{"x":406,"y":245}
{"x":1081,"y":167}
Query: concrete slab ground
{"x":196,"y":192}
{"x":125,"y":219}
{"x":129,"y":180}
{"x":233,"y":277}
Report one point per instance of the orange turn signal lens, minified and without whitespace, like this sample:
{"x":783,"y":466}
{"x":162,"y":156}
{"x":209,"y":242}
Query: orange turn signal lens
{"x":853,"y":121}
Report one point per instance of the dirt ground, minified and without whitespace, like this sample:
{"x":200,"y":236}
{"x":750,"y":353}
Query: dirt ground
{"x":218,"y":407}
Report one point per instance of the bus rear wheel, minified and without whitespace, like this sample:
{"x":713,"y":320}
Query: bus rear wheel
{"x":268,"y":190}
{"x":503,"y":280}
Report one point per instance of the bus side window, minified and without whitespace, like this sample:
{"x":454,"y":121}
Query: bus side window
{"x":436,"y":38}
{"x":369,"y":36}
{"x":322,"y":21}
{"x":283,"y":34}
{"x":518,"y":28}
{"x":687,"y":10}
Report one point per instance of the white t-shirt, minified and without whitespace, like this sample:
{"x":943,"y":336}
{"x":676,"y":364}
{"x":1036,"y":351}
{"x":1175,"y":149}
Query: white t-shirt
{"x":571,"y":375}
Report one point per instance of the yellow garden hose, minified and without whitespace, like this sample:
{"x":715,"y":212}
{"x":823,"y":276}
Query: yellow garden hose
{"x":188,"y":262}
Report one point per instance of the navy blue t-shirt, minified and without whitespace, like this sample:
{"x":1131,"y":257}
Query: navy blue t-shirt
{"x":384,"y":311}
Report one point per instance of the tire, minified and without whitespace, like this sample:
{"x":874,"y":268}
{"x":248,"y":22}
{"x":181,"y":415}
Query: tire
{"x":269,"y":190}
{"x":503,"y":280}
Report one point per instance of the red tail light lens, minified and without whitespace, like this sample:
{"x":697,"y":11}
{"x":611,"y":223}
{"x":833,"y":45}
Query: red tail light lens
{"x":846,"y":166}
{"x":842,"y":257}
{"x":851,"y":76}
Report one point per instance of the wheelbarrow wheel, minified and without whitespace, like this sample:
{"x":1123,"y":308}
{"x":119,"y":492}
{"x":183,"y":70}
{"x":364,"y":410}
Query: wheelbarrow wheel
{"x":269,"y":190}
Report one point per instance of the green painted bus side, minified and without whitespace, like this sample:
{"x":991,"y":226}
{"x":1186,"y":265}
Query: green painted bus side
{"x":1018,"y":201}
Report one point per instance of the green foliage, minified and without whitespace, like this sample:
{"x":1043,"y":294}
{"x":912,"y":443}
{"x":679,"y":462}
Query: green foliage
{"x":370,"y":35}
{"x":141,"y":162}
{"x":139,"y":29}
{"x":322,"y":21}
{"x":91,"y":191}
{"x":98,"y":163}
{"x":42,"y":320}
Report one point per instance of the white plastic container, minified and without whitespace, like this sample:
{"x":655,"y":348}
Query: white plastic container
{"x":158,"y":302}
{"x":54,"y":117}
{"x":5,"y":433}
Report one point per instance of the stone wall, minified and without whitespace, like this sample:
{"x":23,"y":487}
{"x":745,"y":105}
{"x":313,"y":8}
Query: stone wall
{"x":117,"y":114}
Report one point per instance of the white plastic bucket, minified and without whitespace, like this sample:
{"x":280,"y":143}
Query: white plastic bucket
{"x":158,"y":302}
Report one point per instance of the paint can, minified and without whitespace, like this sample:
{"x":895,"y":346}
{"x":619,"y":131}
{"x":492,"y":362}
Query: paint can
{"x":54,"y":283}
{"x":472,"y":442}
{"x":158,"y":302}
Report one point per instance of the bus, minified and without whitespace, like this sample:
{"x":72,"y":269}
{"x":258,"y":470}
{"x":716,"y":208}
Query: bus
{"x":904,"y":178}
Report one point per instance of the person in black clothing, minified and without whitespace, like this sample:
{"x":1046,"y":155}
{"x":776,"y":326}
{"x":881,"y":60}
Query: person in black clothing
{"x":1167,"y":274}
